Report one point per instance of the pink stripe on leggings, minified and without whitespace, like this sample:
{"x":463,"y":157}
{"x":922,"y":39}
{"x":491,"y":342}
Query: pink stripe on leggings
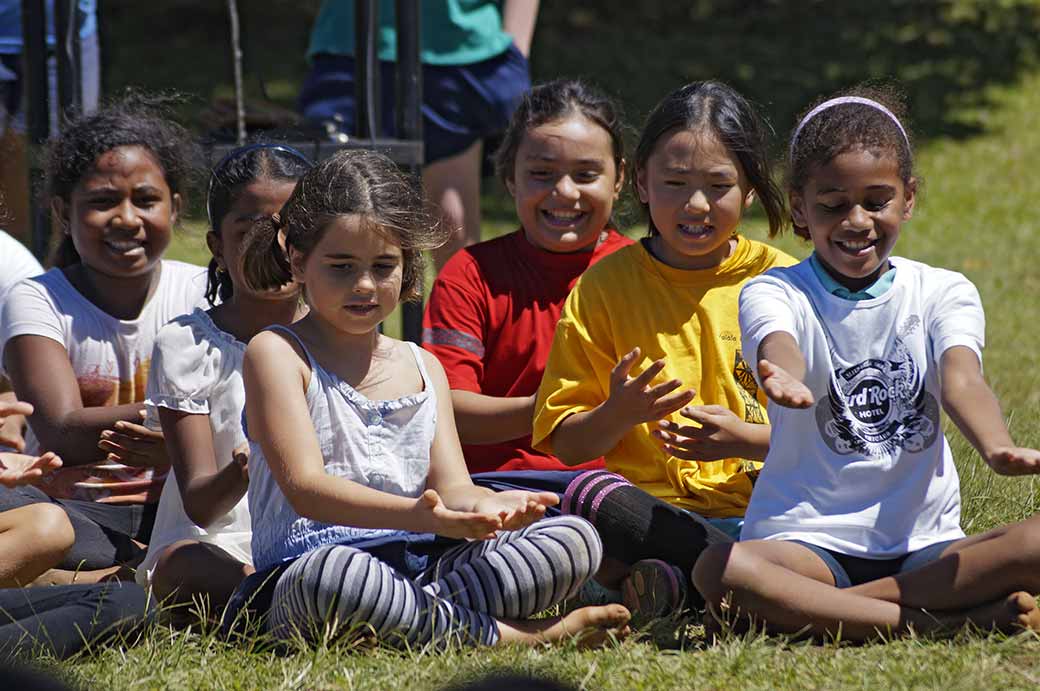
{"x":568,"y":495}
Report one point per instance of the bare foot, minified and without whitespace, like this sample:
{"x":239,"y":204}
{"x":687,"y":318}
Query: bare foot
{"x":1017,"y":612}
{"x":592,"y":627}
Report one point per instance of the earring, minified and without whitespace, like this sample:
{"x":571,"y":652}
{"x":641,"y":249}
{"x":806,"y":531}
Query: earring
{"x":221,"y":270}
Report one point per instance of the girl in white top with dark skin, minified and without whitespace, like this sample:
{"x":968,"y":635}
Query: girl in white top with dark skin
{"x":200,"y":542}
{"x":77,"y":340}
{"x":853,"y":529}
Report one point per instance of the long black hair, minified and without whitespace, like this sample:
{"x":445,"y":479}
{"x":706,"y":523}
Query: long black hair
{"x":736,"y":123}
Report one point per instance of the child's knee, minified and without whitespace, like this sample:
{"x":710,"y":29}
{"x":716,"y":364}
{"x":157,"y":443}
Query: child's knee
{"x":714,"y":570}
{"x":582,"y":542}
{"x":174,"y":564}
{"x":1026,"y":550}
{"x":46,"y":528}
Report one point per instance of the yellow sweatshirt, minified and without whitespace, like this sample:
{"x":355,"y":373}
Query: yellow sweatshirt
{"x":687,"y":317}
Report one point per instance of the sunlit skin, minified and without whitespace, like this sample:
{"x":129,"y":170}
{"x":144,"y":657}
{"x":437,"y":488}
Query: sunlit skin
{"x":564,"y":183}
{"x":352,"y":280}
{"x":697,"y":192}
{"x":121,"y":213}
{"x":853,"y":207}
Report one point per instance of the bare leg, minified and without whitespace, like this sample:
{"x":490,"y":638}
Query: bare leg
{"x":612,"y":573}
{"x":591,"y":626}
{"x":188,"y":570}
{"x":787,"y":587}
{"x":453,"y":185}
{"x":972,"y":572}
{"x":33,"y":538}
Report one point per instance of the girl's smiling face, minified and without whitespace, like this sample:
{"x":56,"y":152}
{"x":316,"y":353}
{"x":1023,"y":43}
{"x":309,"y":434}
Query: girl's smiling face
{"x":352,"y":276}
{"x":697,"y":191}
{"x":853,"y":207}
{"x":565,"y":183}
{"x":121,"y":213}
{"x":261,"y":198}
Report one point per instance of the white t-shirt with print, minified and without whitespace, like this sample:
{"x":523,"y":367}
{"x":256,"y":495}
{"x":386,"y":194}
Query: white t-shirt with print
{"x":16,"y":263}
{"x":110,"y":358}
{"x":197,"y":369}
{"x":865,"y":471}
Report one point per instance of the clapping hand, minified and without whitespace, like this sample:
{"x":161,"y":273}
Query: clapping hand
{"x":135,"y":445}
{"x":11,"y":421}
{"x":635,"y":401}
{"x":461,"y":525}
{"x":720,"y":434}
{"x":19,"y":469}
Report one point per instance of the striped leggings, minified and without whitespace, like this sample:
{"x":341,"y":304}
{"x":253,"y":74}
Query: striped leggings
{"x":337,"y":589}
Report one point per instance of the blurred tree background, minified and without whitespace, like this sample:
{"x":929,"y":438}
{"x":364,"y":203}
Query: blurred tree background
{"x":946,"y":54}
{"x":781,"y":53}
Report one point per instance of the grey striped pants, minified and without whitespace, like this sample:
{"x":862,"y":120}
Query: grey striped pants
{"x":336,"y":589}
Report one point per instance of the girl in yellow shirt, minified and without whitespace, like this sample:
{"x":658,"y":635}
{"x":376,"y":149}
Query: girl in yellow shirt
{"x":646,"y":368}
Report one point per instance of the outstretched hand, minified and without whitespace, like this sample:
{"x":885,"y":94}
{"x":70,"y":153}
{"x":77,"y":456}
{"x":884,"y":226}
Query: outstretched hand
{"x":136,"y":445}
{"x":782,"y":388}
{"x":1015,"y":460}
{"x":461,"y":525}
{"x":635,"y":401}
{"x":19,"y":469}
{"x":720,"y":434}
{"x":516,"y":508}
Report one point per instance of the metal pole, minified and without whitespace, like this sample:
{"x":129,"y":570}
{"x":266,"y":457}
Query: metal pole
{"x":34,"y":41}
{"x":236,"y":59}
{"x":408,"y":121}
{"x":66,"y":39}
{"x":366,"y":69}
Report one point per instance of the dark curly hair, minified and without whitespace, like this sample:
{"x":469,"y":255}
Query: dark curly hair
{"x":736,"y":123}
{"x":848,"y":127}
{"x":135,"y":120}
{"x":553,"y":101}
{"x":256,"y":161}
{"x":351,"y":182}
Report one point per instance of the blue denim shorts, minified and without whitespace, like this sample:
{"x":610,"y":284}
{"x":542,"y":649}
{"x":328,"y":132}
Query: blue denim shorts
{"x":849,"y":571}
{"x":460,"y":103}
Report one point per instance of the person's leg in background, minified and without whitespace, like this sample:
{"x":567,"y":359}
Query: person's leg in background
{"x":63,"y":620}
{"x":453,"y":185}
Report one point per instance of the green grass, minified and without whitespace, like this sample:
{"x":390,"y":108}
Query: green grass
{"x":976,"y":215}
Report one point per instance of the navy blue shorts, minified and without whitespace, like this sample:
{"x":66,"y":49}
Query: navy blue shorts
{"x":461,"y":103}
{"x":849,"y":571}
{"x":530,"y":481}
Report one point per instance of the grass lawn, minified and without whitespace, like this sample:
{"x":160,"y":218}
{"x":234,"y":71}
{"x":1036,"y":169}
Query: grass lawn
{"x":977,"y":215}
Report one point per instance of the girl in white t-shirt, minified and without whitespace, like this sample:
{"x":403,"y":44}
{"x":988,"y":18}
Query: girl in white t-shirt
{"x":77,"y":340}
{"x":853,"y":529}
{"x":200,"y":542}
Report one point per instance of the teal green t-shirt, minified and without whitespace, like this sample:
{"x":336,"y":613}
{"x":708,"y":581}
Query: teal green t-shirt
{"x":454,"y":32}
{"x":874,"y":290}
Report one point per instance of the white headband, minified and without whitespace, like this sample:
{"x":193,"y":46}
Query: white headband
{"x":837,"y":102}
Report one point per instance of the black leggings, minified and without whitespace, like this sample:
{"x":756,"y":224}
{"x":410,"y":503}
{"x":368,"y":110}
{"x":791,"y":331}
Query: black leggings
{"x":64,"y":619}
{"x":635,"y":525}
{"x":105,"y":533}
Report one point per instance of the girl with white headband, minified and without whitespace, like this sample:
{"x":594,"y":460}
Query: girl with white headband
{"x":854,"y":525}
